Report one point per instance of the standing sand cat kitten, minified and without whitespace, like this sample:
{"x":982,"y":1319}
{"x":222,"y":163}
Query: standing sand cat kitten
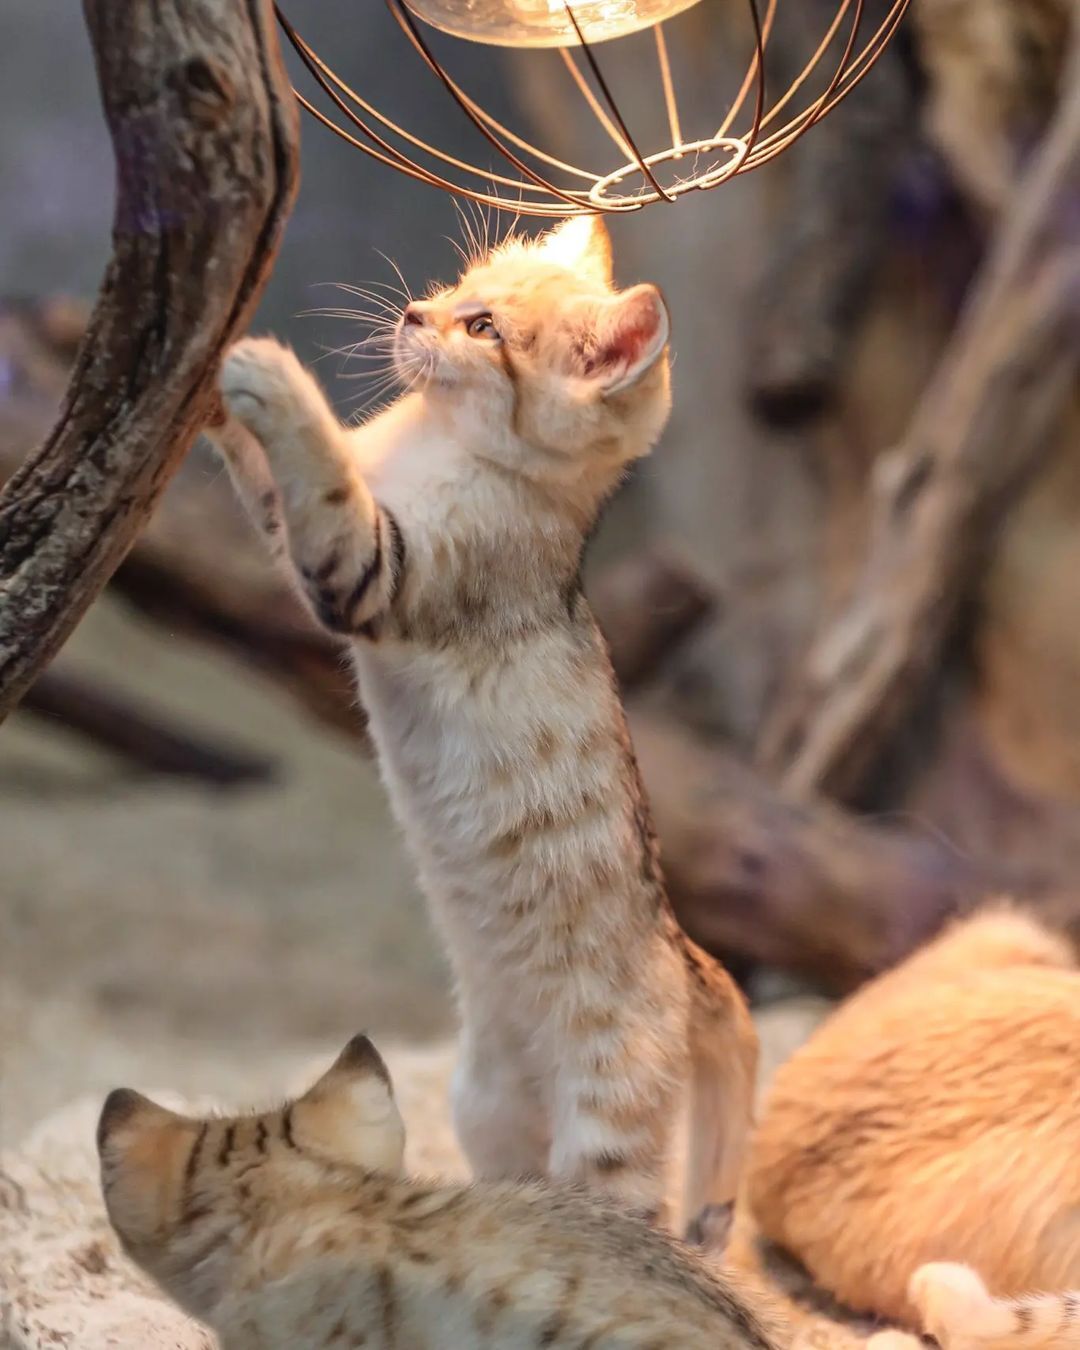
{"x":445,"y":538}
{"x":936,"y":1118}
{"x":295,"y":1228}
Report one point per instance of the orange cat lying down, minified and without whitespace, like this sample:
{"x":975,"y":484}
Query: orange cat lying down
{"x":935,"y":1117}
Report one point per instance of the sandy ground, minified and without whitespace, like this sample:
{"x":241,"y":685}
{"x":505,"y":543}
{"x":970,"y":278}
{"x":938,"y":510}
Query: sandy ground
{"x":209,"y":942}
{"x":151,"y":929}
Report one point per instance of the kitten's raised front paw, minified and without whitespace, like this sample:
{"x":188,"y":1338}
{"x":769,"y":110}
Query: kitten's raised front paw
{"x":262,"y":383}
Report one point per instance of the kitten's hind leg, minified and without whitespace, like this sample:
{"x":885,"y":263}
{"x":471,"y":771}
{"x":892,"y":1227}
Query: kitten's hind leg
{"x":723,"y":1070}
{"x":616,"y":1109}
{"x":347,"y":551}
{"x":498,"y":1113}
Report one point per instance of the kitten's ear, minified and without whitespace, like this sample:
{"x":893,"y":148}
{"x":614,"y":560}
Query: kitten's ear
{"x":581,"y":244}
{"x":126,"y":1114}
{"x":631,"y":336}
{"x":350,"y":1114}
{"x":144,"y":1149}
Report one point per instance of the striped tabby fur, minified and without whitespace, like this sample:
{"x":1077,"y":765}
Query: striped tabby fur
{"x":295,"y":1229}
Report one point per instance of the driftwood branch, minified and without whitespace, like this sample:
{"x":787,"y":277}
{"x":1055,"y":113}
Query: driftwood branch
{"x":979,"y":431}
{"x":204,"y":131}
{"x":806,"y":888}
{"x":144,"y":738}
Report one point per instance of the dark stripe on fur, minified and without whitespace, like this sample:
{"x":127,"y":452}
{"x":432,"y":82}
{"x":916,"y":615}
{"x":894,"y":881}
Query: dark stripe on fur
{"x":388,"y":1304}
{"x":328,"y":567}
{"x":397,"y":553}
{"x":370,"y":572}
{"x":190,"y":1168}
{"x":226,"y":1146}
{"x":511,"y":373}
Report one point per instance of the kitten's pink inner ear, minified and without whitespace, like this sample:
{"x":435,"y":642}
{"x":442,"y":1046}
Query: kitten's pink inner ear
{"x":631,"y":340}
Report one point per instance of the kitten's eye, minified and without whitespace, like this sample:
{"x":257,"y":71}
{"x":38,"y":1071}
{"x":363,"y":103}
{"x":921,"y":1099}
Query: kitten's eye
{"x":483,"y":326}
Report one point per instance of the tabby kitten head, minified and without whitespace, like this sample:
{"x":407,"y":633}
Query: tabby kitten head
{"x":181,"y":1191}
{"x":538,"y":352}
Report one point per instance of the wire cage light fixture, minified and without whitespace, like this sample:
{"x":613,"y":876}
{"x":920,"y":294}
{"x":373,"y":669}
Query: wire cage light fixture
{"x":758,"y":124}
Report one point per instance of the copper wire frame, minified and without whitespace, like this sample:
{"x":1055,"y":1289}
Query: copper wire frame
{"x":535,"y":192}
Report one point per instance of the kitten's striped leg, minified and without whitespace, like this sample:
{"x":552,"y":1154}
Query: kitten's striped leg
{"x":616,"y":1105}
{"x":347,"y":551}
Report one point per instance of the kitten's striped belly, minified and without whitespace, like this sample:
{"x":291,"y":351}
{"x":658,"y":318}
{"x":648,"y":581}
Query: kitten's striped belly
{"x":511,"y":786}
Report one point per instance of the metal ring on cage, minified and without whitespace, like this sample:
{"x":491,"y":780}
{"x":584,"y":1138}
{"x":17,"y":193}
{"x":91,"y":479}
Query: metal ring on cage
{"x":548,"y":186}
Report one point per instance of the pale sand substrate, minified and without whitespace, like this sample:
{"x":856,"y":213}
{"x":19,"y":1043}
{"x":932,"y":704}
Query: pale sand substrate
{"x":63,"y":1280}
{"x":216,"y":946}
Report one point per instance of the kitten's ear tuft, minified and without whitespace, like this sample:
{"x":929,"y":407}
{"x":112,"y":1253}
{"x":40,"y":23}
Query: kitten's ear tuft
{"x":361,"y":1057}
{"x":630,"y":338}
{"x":124,"y":1107}
{"x":350,"y":1115}
{"x":581,"y":244}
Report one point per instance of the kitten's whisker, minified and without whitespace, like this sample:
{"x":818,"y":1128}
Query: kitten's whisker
{"x":352,"y":289}
{"x":474,"y":252}
{"x":379,"y":392}
{"x":373,"y":298}
{"x":404,"y":284}
{"x":457,"y":249}
{"x":388,"y":320}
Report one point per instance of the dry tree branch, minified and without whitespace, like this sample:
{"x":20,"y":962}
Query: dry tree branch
{"x":204,"y":130}
{"x":979,"y":431}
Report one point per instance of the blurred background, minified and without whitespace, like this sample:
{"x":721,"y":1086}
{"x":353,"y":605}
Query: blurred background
{"x":199,"y":877}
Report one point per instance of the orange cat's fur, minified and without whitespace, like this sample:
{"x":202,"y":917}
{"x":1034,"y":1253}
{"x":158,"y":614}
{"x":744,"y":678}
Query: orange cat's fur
{"x":936,"y":1118}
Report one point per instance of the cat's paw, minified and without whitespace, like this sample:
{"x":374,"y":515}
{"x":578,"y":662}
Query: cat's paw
{"x":263,"y":384}
{"x":950,"y":1298}
{"x":893,"y":1340}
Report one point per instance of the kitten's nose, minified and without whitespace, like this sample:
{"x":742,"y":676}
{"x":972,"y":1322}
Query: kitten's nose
{"x":414,"y":314}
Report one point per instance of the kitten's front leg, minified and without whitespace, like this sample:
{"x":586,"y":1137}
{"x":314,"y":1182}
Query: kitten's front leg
{"x":347,"y":551}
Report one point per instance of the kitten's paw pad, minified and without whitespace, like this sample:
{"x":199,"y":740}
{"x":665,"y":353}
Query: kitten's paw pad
{"x":894,"y":1340}
{"x":261,"y":381}
{"x":949,"y":1296}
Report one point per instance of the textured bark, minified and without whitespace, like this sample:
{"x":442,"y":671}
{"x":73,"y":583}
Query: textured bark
{"x":806,"y":888}
{"x":979,"y":432}
{"x":204,"y":130}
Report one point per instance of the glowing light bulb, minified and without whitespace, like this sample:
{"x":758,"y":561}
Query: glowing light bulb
{"x":544,"y":23}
